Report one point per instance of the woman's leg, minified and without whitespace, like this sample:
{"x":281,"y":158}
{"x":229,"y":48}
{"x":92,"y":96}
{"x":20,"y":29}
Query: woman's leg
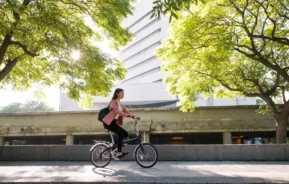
{"x":119,"y":132}
{"x":124,"y":132}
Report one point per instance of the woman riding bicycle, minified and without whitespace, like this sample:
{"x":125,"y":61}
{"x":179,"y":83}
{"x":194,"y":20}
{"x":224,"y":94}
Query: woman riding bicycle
{"x":114,"y":119}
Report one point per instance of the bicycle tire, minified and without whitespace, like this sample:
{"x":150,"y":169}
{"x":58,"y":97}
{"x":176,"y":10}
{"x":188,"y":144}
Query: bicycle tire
{"x":100,"y":148}
{"x":139,"y":158}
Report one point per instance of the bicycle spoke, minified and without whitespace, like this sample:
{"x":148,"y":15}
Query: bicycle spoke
{"x":100,"y":156}
{"x":146,"y":155}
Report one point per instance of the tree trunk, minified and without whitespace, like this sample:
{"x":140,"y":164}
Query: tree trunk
{"x":281,"y":129}
{"x":7,"y":69}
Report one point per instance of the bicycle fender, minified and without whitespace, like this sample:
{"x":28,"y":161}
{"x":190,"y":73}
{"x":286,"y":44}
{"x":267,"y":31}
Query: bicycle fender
{"x":97,"y":145}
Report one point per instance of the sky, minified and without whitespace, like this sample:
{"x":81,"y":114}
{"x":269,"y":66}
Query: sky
{"x":51,"y":99}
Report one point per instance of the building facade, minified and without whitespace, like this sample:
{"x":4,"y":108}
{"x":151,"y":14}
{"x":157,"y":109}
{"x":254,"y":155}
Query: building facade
{"x":206,"y":125}
{"x":138,"y":56}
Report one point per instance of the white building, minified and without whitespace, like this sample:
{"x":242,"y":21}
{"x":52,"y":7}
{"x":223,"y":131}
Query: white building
{"x":142,"y":64}
{"x":135,"y":95}
{"x":143,"y":84}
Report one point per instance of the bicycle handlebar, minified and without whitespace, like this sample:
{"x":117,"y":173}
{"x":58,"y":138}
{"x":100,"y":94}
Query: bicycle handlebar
{"x":134,"y":117}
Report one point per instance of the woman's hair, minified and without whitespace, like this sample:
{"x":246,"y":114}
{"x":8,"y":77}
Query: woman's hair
{"x":117,"y":90}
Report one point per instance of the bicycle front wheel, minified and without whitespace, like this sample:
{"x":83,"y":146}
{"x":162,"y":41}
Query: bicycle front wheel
{"x":100,"y":156}
{"x":146,"y":155}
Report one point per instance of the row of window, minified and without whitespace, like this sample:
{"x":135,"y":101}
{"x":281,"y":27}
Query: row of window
{"x":141,"y":41}
{"x":180,"y":138}
{"x":144,"y":74}
{"x":143,"y":51}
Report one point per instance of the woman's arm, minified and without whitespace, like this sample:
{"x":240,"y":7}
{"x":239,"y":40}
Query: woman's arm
{"x":114,"y":107}
{"x":126,"y":111}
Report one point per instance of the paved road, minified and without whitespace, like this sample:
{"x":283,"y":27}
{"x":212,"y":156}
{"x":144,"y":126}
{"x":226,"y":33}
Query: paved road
{"x":130,"y":172}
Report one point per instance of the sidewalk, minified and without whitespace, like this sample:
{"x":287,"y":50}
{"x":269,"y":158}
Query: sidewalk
{"x":131,"y":172}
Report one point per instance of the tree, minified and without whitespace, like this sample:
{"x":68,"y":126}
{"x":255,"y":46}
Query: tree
{"x":30,"y":106}
{"x":14,"y":107}
{"x":171,"y":7}
{"x":231,"y":48}
{"x":37,"y":38}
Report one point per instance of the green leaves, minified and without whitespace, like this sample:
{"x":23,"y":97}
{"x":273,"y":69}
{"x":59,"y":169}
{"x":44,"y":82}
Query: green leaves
{"x":171,"y":7}
{"x":221,"y":50}
{"x":40,"y":37}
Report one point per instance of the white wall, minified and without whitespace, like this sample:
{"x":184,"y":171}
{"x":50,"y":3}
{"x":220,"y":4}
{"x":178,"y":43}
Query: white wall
{"x":201,"y":101}
{"x":149,"y":93}
{"x":140,"y":52}
{"x":140,"y":93}
{"x":66,"y":104}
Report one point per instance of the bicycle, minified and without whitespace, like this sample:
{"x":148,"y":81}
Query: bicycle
{"x":145,"y":154}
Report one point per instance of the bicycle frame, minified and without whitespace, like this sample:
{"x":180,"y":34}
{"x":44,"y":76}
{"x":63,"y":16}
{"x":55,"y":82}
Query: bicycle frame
{"x":138,"y":137}
{"x":112,"y":145}
{"x":140,"y":152}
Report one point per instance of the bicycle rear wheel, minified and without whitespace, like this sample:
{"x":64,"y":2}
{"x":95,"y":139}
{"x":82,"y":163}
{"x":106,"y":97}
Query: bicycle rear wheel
{"x":100,"y":156}
{"x":146,"y":155}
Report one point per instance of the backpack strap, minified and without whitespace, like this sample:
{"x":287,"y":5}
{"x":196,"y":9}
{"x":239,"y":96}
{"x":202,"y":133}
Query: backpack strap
{"x":110,"y":103}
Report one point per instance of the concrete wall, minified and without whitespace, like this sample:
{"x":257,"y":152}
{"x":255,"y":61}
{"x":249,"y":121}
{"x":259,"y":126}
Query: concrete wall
{"x":171,"y":120}
{"x":166,"y":152}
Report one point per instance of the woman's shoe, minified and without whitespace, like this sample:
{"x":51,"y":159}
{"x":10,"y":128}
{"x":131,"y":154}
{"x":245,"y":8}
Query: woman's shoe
{"x":122,"y":154}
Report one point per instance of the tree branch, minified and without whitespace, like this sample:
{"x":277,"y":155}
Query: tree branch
{"x":281,"y":15}
{"x":24,"y":48}
{"x":4,"y":46}
{"x":252,"y":80}
{"x":265,"y":62}
{"x":283,"y":94}
{"x":230,"y":88}
{"x":7,"y":69}
{"x":274,"y":87}
{"x":283,"y":41}
{"x":260,"y":58}
{"x":26,"y":2}
{"x":7,"y":40}
{"x":268,"y":16}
